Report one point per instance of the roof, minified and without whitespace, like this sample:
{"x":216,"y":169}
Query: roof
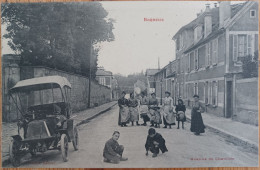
{"x":40,"y":83}
{"x":151,"y":72}
{"x":215,"y":27}
{"x":215,"y":19}
{"x":202,"y":41}
{"x":101,"y":72}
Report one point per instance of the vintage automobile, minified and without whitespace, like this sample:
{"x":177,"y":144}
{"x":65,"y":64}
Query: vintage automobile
{"x":44,"y":119}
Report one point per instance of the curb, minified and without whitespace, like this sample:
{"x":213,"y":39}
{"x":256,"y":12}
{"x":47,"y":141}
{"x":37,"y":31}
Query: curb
{"x":96,"y":115}
{"x":239,"y":141}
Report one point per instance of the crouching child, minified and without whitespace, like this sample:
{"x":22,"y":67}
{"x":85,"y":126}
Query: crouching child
{"x":154,"y":143}
{"x":113,"y":152}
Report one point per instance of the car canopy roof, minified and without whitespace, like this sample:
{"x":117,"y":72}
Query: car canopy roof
{"x":40,"y":83}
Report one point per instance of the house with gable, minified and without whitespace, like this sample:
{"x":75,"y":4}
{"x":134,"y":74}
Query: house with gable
{"x":209,"y":51}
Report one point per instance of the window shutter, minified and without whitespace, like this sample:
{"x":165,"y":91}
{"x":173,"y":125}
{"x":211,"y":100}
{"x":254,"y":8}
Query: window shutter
{"x":206,"y":56}
{"x":235,"y":47}
{"x":216,"y":93}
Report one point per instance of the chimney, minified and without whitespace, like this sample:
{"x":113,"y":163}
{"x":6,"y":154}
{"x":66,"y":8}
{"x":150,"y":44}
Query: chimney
{"x":224,"y":12}
{"x":207,"y":21}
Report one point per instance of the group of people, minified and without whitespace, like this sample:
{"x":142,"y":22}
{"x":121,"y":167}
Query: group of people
{"x":149,"y":110}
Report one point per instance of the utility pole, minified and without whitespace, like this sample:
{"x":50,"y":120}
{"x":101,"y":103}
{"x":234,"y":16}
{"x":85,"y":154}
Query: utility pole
{"x":161,"y":90}
{"x":89,"y":75}
{"x":159,"y":63}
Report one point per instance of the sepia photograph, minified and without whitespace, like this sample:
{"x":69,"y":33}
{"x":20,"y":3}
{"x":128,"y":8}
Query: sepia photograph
{"x":130,"y":84}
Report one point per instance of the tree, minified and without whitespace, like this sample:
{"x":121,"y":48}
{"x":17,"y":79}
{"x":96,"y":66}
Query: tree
{"x":126,"y":83}
{"x":250,"y":65}
{"x":57,"y":35}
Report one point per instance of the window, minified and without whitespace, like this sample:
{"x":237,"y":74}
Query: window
{"x":215,"y":51}
{"x":242,"y":45}
{"x":107,"y":81}
{"x":195,"y":88}
{"x":179,"y":66}
{"x":188,"y":63}
{"x":208,"y":54}
{"x":192,"y":61}
{"x":209,"y":93}
{"x":249,"y":44}
{"x":252,"y":13}
{"x":214,"y":93}
{"x":182,"y":64}
{"x":196,"y":60}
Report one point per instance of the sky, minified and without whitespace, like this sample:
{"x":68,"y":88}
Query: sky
{"x":139,"y":44}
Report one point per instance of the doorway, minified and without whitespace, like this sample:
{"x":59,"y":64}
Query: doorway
{"x":229,"y":106}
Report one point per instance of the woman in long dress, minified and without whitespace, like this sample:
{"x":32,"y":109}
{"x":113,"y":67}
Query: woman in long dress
{"x":133,"y":110}
{"x":197,"y":125}
{"x":143,"y":108}
{"x":167,"y":111}
{"x":154,"y":114}
{"x":124,"y":115}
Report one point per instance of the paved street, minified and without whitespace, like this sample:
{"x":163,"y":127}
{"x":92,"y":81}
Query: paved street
{"x":182,"y":145}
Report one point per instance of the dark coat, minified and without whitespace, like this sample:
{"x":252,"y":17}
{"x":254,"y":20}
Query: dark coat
{"x":149,"y":145}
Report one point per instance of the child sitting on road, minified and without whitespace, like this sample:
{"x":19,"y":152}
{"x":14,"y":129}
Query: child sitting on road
{"x":113,"y":151}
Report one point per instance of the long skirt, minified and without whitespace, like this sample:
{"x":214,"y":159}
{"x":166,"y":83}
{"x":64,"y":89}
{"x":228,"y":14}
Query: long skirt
{"x":144,"y":112}
{"x":155,"y":116}
{"x":134,"y":115}
{"x":197,"y":124}
{"x":124,"y":115}
{"x":168,"y":116}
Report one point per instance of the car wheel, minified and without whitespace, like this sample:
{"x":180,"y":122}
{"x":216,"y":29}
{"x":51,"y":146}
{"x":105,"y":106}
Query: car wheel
{"x":64,"y":147}
{"x":14,"y":153}
{"x":75,"y":141}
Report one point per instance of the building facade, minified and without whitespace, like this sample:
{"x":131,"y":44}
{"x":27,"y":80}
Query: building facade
{"x":209,"y":51}
{"x":104,"y":77}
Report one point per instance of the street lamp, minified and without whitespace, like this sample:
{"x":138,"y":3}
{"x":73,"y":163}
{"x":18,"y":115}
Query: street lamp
{"x":161,"y":90}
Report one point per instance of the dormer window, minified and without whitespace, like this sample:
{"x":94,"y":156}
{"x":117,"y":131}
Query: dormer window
{"x":252,"y":13}
{"x":197,"y":33}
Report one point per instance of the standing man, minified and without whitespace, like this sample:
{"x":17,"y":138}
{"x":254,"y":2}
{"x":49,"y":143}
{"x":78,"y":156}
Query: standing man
{"x":124,"y":115}
{"x":113,"y":152}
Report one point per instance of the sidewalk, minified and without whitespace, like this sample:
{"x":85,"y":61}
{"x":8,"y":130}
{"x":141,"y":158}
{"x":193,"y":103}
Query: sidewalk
{"x":9,"y":129}
{"x":236,"y":131}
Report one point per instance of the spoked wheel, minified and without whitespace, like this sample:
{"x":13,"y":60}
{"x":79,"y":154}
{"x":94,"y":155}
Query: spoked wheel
{"x":64,"y":147}
{"x":14,"y":153}
{"x":75,"y":141}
